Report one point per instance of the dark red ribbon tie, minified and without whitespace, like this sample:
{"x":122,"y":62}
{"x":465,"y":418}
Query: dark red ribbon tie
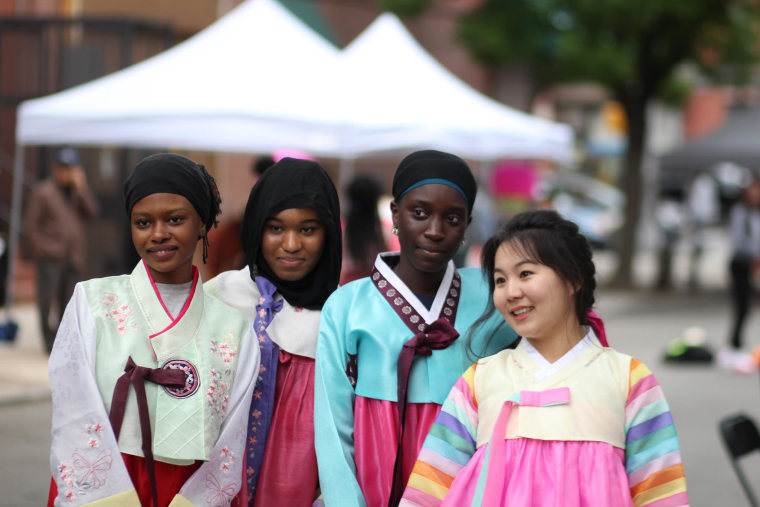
{"x":437,"y":335}
{"x":136,"y":376}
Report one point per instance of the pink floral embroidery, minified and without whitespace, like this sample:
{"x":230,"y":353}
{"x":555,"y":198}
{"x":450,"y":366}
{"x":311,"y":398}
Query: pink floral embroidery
{"x":120,"y":314}
{"x":216,"y":393}
{"x":92,"y":473}
{"x":223,"y":348}
{"x":89,"y":469}
{"x":218,"y":493}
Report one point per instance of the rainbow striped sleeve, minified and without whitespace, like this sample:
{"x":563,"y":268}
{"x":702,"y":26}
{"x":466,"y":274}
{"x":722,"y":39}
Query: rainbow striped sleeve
{"x":652,"y":455}
{"x":448,"y":447}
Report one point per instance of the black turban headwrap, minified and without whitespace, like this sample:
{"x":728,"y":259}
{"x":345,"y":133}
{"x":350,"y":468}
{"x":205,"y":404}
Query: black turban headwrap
{"x":175,"y":174}
{"x":431,"y":166}
{"x":295,"y":183}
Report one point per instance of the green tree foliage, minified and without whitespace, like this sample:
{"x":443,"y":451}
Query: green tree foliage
{"x":630,"y":46}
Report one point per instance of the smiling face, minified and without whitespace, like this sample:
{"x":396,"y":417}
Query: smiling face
{"x":292,"y":243}
{"x":535,"y":301}
{"x":431,"y":221}
{"x":165,"y":231}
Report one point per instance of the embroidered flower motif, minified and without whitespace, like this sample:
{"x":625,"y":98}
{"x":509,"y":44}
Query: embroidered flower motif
{"x":414,"y":319}
{"x":375,"y":275}
{"x":421,"y":327}
{"x":92,"y":473}
{"x":382,"y":283}
{"x":119,"y":314}
{"x":406,"y":310}
{"x":218,"y":493}
{"x":391,"y":293}
{"x":456,"y":282}
{"x":398,"y":301}
{"x":223,"y":347}
{"x":256,"y":413}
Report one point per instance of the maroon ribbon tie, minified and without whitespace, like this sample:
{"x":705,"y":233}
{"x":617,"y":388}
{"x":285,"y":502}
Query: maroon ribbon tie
{"x":437,"y":335}
{"x":136,"y":376}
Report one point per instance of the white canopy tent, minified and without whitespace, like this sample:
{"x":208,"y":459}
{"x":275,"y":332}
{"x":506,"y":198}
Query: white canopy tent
{"x":258,"y":80}
{"x":255,"y":80}
{"x":407,"y":100}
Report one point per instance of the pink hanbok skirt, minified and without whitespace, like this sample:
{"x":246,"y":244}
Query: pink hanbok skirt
{"x":376,"y":439}
{"x":541,"y":473}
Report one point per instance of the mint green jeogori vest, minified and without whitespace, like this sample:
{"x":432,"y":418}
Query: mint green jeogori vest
{"x":203,"y":340}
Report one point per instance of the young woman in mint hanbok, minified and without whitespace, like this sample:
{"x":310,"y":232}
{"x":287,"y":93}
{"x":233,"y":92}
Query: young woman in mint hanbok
{"x":151,"y":378}
{"x":562,"y":419}
{"x":292,"y":243}
{"x":390,"y":345}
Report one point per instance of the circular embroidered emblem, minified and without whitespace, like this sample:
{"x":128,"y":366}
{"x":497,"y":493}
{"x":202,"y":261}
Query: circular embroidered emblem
{"x":382,"y":284}
{"x":398,"y":301}
{"x":407,"y":310}
{"x":447,"y":312}
{"x":375,"y":275}
{"x":414,"y":319}
{"x":391,"y":293}
{"x":192,"y":382}
{"x":421,"y":326}
{"x":455,"y":283}
{"x":453,"y":292}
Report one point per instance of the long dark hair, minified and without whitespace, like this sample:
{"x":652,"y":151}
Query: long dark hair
{"x":363,"y":233}
{"x":549,"y":239}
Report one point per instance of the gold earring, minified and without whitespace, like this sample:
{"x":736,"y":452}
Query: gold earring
{"x":394,"y":231}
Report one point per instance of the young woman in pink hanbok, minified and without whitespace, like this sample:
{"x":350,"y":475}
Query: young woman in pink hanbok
{"x":561,"y":419}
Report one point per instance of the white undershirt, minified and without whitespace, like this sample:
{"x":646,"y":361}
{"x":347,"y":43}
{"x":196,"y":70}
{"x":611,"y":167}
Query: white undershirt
{"x":545,"y":367}
{"x":174,"y":296}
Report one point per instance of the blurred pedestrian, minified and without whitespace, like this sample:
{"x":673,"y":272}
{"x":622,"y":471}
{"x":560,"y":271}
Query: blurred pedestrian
{"x":363,"y":234}
{"x":225,"y":247}
{"x":55,"y":225}
{"x":702,"y":209}
{"x":745,"y":241}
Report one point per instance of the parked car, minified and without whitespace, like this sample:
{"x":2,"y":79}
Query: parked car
{"x":597,"y":207}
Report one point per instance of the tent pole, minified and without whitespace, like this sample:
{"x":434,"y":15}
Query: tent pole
{"x":15,"y":226}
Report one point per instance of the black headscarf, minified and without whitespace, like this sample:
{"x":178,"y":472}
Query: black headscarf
{"x":431,"y":166}
{"x":295,"y":183}
{"x":175,"y":174}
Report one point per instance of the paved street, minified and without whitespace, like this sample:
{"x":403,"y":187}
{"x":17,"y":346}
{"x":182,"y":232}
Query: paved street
{"x":639,"y":323}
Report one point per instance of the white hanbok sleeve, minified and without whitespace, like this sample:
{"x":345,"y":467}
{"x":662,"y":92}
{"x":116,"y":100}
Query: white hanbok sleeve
{"x":85,"y":460}
{"x":219,"y":479}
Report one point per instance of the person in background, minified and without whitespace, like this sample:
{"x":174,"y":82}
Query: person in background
{"x":562,"y":419}
{"x":192,"y":360}
{"x":227,"y":250}
{"x":55,"y":226}
{"x":292,"y":244}
{"x":744,"y":223}
{"x":389,"y":344}
{"x":363,"y":234}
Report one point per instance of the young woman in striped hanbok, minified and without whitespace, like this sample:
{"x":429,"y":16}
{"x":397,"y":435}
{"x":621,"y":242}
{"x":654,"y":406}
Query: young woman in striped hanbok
{"x":562,"y":419}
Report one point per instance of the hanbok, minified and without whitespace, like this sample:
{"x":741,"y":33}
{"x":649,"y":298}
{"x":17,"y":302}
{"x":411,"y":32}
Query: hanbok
{"x":359,"y":393}
{"x":593,"y":428}
{"x":195,"y":435}
{"x":287,"y":438}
